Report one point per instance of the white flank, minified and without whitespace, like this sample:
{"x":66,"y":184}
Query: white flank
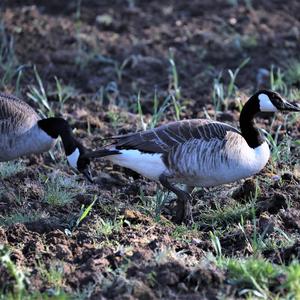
{"x":265,"y":104}
{"x":241,"y":161}
{"x":146,"y":164}
{"x":262,"y":154}
{"x":73,"y":158}
{"x":250,"y":162}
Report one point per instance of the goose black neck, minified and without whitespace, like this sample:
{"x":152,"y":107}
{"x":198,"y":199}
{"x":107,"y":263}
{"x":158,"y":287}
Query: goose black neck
{"x":249,"y":132}
{"x":56,"y":127}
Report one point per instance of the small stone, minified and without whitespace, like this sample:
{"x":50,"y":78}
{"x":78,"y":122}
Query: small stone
{"x":276,"y":177}
{"x":232,"y":21}
{"x":104,"y":20}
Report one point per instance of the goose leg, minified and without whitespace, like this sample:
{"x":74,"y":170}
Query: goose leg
{"x":183,"y":207}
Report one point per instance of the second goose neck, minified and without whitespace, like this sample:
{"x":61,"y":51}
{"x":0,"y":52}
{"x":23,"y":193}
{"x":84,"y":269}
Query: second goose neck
{"x":56,"y":127}
{"x":250,"y":133}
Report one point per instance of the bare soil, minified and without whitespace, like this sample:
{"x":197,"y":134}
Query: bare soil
{"x":129,"y":43}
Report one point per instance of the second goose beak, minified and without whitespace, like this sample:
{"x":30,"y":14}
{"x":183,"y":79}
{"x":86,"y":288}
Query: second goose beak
{"x":87,"y":174}
{"x":290,"y":107}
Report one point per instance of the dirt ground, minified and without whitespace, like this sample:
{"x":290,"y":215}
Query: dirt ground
{"x":110,"y":52}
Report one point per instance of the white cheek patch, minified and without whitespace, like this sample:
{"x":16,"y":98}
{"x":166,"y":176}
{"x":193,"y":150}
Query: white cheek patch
{"x":73,"y":158}
{"x":265,"y":103}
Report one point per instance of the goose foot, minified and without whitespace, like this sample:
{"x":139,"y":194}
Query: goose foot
{"x":183,"y":209}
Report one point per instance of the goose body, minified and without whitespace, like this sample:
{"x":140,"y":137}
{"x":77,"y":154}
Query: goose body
{"x":192,"y":152}
{"x":198,"y":152}
{"x":23,"y":132}
{"x":19,"y":133}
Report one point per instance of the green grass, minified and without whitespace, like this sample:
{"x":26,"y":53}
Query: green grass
{"x":184,"y":233}
{"x":60,"y":191}
{"x":115,"y":118}
{"x":222,"y":93}
{"x":107,"y":227}
{"x":11,"y":168}
{"x":252,"y":276}
{"x":15,"y":272}
{"x":174,"y":88}
{"x":16,"y":288}
{"x":26,"y":295}
{"x":277,"y":81}
{"x":63,"y":93}
{"x":53,"y":275}
{"x":158,"y":111}
{"x":10,"y":71}
{"x":292,"y":283}
{"x":255,"y":277}
{"x":281,"y":145}
{"x":228,"y":214}
{"x":119,"y":68}
{"x":84,"y":212}
{"x":19,"y":217}
{"x":153,"y":205}
{"x":258,"y":242}
{"x":166,"y":254}
{"x":39,"y":95}
{"x":292,"y":73}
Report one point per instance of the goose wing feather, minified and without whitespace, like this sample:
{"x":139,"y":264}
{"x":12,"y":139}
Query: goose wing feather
{"x":162,"y":139}
{"x":16,"y":116}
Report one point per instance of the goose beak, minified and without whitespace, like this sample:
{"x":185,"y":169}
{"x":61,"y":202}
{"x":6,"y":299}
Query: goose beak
{"x":290,"y":107}
{"x":87,"y":173}
{"x":88,"y":155}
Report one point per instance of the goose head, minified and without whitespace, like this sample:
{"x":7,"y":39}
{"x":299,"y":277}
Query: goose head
{"x":55,"y":127}
{"x":269,"y":101}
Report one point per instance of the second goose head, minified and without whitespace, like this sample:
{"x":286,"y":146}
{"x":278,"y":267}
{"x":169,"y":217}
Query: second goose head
{"x":261,"y":101}
{"x":269,"y":101}
{"x":55,"y":127}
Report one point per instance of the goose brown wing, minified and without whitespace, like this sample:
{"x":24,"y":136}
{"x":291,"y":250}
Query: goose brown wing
{"x":165,"y":137}
{"x":16,"y":116}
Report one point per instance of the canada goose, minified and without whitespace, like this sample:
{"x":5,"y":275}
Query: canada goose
{"x":197,"y":152}
{"x":22,"y":132}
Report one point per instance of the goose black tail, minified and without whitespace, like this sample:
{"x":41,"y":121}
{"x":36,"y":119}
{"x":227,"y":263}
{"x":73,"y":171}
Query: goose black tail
{"x":101,"y":153}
